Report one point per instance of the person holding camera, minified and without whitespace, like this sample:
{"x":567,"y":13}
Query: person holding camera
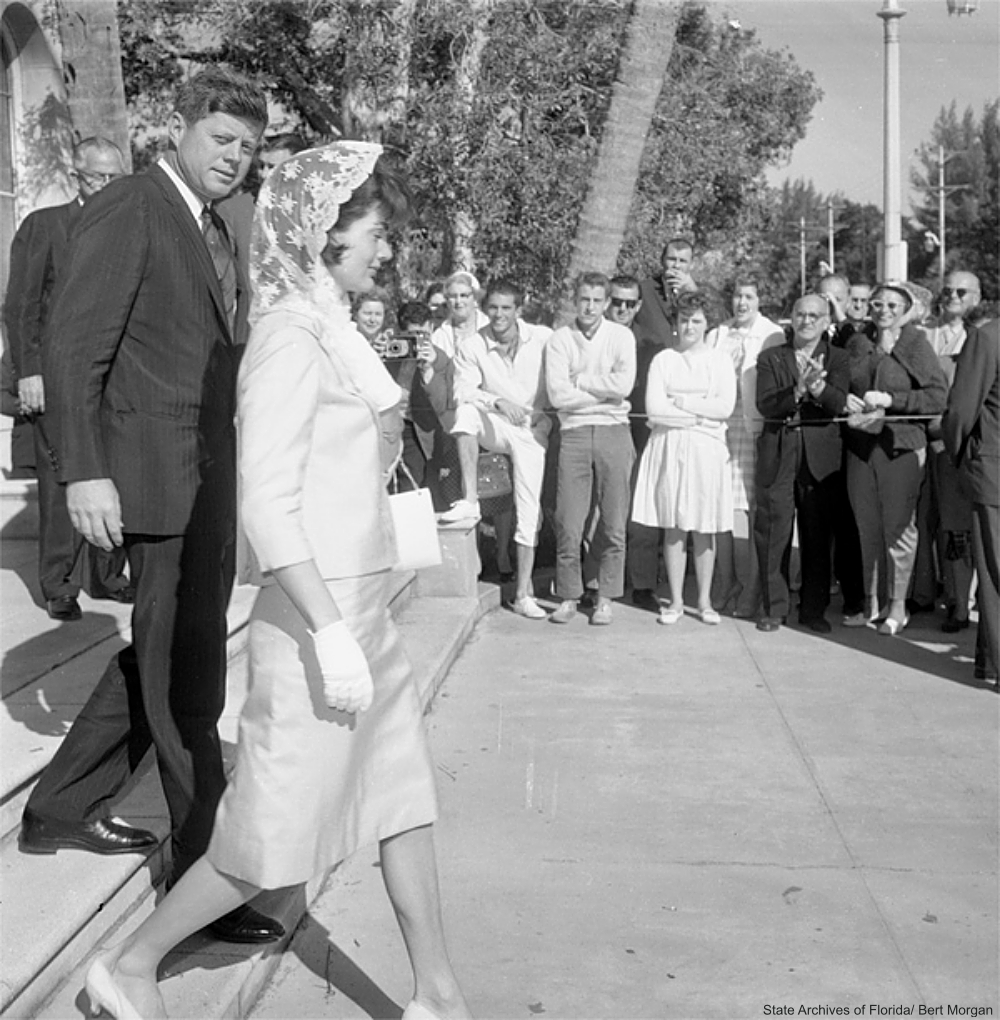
{"x":424,"y":374}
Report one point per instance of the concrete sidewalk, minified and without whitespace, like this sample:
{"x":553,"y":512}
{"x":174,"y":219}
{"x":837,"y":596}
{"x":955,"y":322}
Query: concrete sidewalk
{"x":647,"y":821}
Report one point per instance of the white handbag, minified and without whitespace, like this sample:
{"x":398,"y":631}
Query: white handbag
{"x":415,"y":524}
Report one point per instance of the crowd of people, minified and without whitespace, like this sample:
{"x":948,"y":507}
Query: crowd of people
{"x":169,"y":350}
{"x":805,"y":457}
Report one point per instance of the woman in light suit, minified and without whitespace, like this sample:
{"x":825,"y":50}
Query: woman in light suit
{"x":332,"y":753}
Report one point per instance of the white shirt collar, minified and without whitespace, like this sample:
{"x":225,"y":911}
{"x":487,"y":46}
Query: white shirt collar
{"x":191,"y":200}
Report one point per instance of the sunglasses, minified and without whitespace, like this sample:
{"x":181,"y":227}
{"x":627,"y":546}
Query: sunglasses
{"x":890,"y":306}
{"x":958,"y":292}
{"x":621,"y":302}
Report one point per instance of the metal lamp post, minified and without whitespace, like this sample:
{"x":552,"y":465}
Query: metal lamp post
{"x":893,"y":251}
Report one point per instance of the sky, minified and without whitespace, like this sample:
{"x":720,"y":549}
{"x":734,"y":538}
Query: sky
{"x":942,"y":58}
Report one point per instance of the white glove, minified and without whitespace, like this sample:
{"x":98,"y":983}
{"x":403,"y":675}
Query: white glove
{"x":347,"y":680}
{"x":875,"y":399}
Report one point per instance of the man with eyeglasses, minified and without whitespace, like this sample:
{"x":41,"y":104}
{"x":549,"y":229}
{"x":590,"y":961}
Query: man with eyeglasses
{"x":944,"y":513}
{"x":38,"y":258}
{"x":801,"y":386}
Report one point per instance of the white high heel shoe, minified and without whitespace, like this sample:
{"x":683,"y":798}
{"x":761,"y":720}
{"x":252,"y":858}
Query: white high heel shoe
{"x":105,"y":994}
{"x":415,"y":1011}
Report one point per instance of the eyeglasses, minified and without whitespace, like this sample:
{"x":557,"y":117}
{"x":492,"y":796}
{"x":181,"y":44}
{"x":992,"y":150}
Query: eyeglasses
{"x":94,"y":179}
{"x":958,"y":292}
{"x":887,"y":306}
{"x":621,"y":302}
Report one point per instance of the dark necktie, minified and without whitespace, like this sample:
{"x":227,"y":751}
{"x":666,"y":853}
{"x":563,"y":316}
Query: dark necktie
{"x":214,"y":232}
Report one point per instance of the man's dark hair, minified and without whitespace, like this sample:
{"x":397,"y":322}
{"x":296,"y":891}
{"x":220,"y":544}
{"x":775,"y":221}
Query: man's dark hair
{"x":506,"y":287}
{"x":625,"y":282}
{"x":221,"y":90}
{"x":413,"y":313}
{"x":683,"y":243}
{"x":592,"y":279}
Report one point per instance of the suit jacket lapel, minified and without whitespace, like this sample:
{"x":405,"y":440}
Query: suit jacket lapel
{"x":189,"y":229}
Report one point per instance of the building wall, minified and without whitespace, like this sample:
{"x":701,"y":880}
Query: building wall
{"x":60,"y":82}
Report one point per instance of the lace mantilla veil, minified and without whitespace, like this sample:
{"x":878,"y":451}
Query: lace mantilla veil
{"x":299,"y":203}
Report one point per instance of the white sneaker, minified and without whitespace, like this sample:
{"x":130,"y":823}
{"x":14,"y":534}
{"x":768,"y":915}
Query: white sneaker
{"x":528,"y":608}
{"x":461,"y":510}
{"x":565,"y":612}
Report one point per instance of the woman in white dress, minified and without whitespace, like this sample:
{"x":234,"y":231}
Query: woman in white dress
{"x":331,"y":753}
{"x":684,"y":484}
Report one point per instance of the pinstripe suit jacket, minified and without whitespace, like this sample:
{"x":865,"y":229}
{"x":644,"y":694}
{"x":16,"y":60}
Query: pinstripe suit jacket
{"x":140,"y":362}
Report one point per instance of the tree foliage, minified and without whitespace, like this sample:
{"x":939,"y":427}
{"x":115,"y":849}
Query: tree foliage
{"x":496,"y":108}
{"x":971,"y":146}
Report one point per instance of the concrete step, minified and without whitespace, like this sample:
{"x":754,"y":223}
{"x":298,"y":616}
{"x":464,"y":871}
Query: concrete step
{"x":58,"y":907}
{"x":19,"y":508}
{"x":207,"y":979}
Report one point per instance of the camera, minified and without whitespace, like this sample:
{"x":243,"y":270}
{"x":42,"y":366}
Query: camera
{"x":400,"y":346}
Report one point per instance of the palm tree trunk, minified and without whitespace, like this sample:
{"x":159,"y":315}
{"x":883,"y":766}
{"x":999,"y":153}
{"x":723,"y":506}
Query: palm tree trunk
{"x":91,"y":53}
{"x":463,"y":223}
{"x":642,"y":69}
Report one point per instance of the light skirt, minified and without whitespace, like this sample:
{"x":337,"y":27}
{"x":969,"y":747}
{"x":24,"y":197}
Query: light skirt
{"x":684,"y":482}
{"x":742,"y":446}
{"x":312,"y":785}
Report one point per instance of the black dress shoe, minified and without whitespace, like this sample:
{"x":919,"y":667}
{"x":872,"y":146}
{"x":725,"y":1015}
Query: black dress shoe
{"x":126,"y":595}
{"x":645,"y":598}
{"x":817,"y":624}
{"x":64,"y":607}
{"x":103,"y":836}
{"x":244,"y":924}
{"x":953,"y":625}
{"x":769,"y":624}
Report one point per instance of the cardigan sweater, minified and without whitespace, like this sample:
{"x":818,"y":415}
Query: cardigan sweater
{"x":911,"y":375}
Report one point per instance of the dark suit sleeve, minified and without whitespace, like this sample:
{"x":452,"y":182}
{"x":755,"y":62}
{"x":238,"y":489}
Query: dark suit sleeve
{"x":775,"y":398}
{"x":975,"y":373}
{"x":838,"y":381}
{"x":88,"y":322}
{"x":31,"y":275}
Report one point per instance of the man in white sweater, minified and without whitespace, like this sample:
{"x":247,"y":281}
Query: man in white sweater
{"x":589,"y":373}
{"x":500,"y":392}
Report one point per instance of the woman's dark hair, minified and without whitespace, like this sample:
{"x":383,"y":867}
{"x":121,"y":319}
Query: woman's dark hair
{"x":706,"y":300}
{"x":386,"y":190}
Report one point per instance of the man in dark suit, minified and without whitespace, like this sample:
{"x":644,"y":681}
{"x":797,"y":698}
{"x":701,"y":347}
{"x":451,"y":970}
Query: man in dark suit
{"x":141,"y":365}
{"x":38,"y":258}
{"x":801,"y":385}
{"x":971,"y":433}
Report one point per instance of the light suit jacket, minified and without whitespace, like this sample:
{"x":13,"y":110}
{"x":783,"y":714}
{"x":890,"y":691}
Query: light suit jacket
{"x":310,"y":390}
